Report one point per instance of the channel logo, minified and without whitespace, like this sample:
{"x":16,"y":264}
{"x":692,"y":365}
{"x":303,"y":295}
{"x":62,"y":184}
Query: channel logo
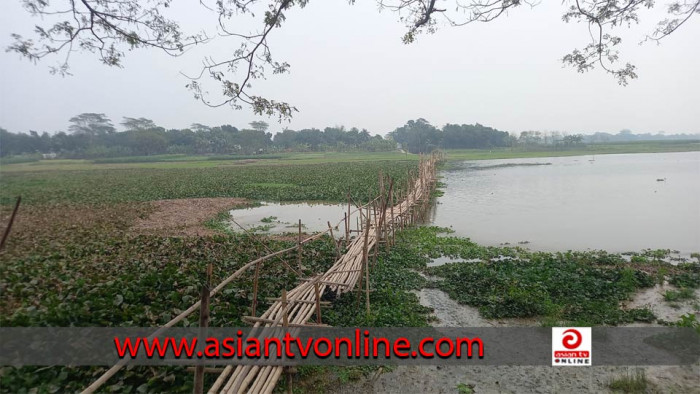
{"x":571,"y":346}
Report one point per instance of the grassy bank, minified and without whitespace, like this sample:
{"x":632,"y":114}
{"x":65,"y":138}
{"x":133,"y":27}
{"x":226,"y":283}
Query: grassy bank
{"x":589,"y":149}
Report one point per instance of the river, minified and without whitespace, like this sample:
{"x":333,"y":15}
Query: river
{"x":618,"y":203}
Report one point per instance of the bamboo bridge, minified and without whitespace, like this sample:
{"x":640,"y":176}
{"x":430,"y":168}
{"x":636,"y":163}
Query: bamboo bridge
{"x":375,"y":226}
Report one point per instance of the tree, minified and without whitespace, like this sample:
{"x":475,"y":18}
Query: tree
{"x":138,"y":124}
{"x":575,"y":139}
{"x":472,"y":137}
{"x":530,"y":138}
{"x":417,"y":136}
{"x":259,"y":125}
{"x":109,"y":28}
{"x":91,"y":124}
{"x":147,"y":142}
{"x":199,"y":128}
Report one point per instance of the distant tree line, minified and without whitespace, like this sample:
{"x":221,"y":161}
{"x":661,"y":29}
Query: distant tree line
{"x":92,"y":135}
{"x":559,"y":140}
{"x":419,"y":136}
{"x":626,"y":135}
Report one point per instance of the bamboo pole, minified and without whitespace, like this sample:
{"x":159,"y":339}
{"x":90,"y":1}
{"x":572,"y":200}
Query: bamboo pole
{"x":286,"y":324}
{"x":318,"y":303}
{"x":391,"y":202}
{"x":255,"y":289}
{"x":367,"y":273}
{"x":335,"y":243}
{"x":10,"y":222}
{"x":347,"y":226}
{"x":347,"y":229}
{"x":203,"y":324}
{"x":299,"y":251}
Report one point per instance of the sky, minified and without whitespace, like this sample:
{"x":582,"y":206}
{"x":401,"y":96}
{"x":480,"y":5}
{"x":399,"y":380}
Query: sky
{"x":349,"y":67}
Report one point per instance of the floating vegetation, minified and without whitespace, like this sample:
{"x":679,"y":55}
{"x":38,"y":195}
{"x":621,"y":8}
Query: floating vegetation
{"x":578,"y":287}
{"x":98,"y":274}
{"x":329,"y":182}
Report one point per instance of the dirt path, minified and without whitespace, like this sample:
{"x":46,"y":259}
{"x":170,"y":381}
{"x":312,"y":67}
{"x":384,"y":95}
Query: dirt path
{"x":184,"y":217}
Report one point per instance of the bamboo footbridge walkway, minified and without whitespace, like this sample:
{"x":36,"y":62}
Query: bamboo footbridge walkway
{"x":376,"y":224}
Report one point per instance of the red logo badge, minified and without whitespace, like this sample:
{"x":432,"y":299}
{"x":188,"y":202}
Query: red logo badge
{"x":571,"y":346}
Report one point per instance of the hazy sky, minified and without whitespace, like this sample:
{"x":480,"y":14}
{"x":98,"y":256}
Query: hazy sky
{"x":349,"y":67}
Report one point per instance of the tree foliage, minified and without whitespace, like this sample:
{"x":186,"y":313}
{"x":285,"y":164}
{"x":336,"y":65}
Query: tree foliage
{"x":419,"y":136}
{"x":91,"y":124}
{"x":93,"y":136}
{"x":109,"y":28}
{"x":259,"y":125}
{"x":138,"y":123}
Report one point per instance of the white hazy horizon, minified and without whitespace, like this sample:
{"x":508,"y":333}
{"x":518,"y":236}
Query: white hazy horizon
{"x":349,"y":67}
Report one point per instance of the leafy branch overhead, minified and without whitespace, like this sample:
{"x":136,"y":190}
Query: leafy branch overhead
{"x":109,"y":28}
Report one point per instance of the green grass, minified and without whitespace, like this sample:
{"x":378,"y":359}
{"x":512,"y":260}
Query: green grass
{"x":690,"y":277}
{"x":19,"y":159}
{"x":630,"y":383}
{"x":463,"y":388}
{"x":329,"y":182}
{"x":680,"y":294}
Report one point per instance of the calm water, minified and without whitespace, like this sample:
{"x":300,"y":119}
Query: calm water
{"x":610,"y":202}
{"x":283,"y":218}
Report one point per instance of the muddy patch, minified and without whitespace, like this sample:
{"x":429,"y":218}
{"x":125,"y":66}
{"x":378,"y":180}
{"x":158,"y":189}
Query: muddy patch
{"x":184,"y":217}
{"x":670,"y":311}
{"x":450,"y":313}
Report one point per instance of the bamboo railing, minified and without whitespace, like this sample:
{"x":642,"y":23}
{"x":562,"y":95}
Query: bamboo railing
{"x":378,"y":222}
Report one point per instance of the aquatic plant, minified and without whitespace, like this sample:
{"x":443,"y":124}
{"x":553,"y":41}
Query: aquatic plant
{"x":578,"y":287}
{"x":330,"y":182}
